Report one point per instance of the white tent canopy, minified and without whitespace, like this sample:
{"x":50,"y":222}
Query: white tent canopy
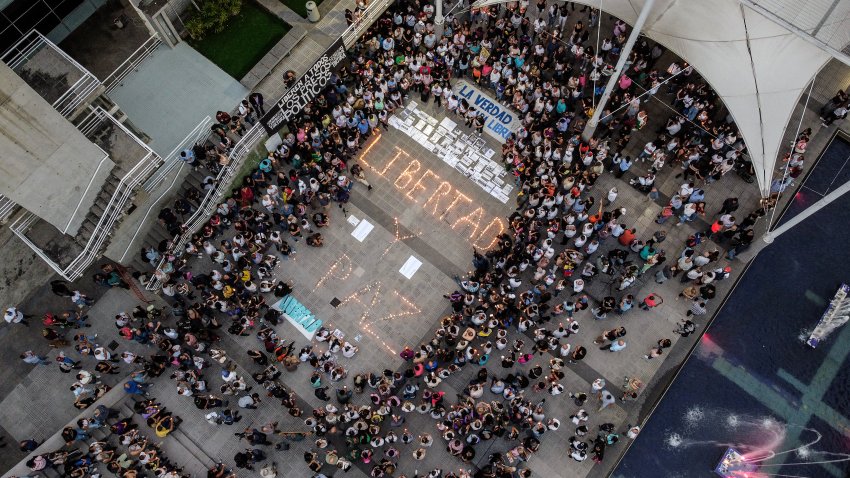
{"x":757,"y":67}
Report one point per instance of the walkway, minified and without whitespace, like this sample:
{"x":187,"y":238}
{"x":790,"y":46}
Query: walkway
{"x":320,"y":35}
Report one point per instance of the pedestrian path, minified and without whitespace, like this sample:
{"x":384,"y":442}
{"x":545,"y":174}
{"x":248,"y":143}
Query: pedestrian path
{"x":319,"y":36}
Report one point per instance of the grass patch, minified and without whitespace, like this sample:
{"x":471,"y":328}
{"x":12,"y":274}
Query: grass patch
{"x":248,"y":167}
{"x":243,"y":43}
{"x":298,"y":6}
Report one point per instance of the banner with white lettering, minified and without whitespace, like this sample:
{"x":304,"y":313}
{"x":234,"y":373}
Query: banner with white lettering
{"x":500,"y":120}
{"x":305,"y":90}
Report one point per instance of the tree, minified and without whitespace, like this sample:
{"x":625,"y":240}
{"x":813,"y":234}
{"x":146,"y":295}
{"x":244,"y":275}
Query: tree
{"x":212,"y":16}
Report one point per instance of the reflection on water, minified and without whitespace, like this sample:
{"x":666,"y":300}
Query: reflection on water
{"x":760,"y":439}
{"x":753,"y":384}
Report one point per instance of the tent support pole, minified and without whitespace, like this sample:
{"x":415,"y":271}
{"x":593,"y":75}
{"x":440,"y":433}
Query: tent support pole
{"x":439,"y":18}
{"x":590,"y":128}
{"x":822,"y":203}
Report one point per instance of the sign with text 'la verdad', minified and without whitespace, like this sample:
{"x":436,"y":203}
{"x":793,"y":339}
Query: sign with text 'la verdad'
{"x":500,"y":120}
{"x":305,"y":90}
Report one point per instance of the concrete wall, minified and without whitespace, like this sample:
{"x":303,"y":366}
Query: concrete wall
{"x":46,"y":164}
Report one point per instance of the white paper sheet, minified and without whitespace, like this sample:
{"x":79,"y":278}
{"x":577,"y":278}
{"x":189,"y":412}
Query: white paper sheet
{"x":410,"y":267}
{"x":362,"y":230}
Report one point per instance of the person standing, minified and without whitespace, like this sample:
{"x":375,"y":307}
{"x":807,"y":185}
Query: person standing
{"x":32,"y":358}
{"x":659,"y":349}
{"x":81,"y":300}
{"x":249,"y":401}
{"x":15,"y":316}
{"x":605,"y":398}
{"x":697,"y":308}
{"x":60,"y":288}
{"x":256,"y":100}
{"x":838,"y":99}
{"x":650,"y":301}
{"x":730,"y":205}
{"x":597,"y":386}
{"x":614,"y":346}
{"x":840,"y":112}
{"x":622,"y":166}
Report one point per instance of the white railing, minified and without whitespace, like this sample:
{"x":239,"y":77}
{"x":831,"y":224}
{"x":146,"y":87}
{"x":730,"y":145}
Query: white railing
{"x":89,"y":124}
{"x":83,"y":195}
{"x":114,"y":210}
{"x":104,"y":115}
{"x":71,"y":99}
{"x":7,"y":208}
{"x":211,"y":200}
{"x":28,"y":46}
{"x":200,"y":132}
{"x":130,"y":64}
{"x":33,"y":41}
{"x":20,"y":227}
{"x":20,"y":52}
{"x":372,"y":12}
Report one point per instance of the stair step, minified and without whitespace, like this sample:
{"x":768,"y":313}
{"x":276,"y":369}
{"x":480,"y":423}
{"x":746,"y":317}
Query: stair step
{"x":196,"y":178}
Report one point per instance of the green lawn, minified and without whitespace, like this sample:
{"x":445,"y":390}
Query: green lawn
{"x":248,"y":168}
{"x":244,"y":41}
{"x":298,"y":6}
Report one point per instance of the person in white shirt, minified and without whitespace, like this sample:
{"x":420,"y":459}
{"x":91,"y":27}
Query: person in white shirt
{"x":15,"y":316}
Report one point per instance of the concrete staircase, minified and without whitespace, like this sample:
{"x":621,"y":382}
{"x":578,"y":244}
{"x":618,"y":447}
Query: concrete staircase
{"x":71,"y":252}
{"x":158,"y":233}
{"x":90,"y":223}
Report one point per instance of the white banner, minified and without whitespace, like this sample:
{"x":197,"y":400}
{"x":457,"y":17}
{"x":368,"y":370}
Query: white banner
{"x":501,"y":120}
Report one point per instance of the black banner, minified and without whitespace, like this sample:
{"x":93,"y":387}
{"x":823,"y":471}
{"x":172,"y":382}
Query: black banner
{"x":305,"y":90}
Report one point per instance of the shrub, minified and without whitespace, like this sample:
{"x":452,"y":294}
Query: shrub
{"x":213,"y":16}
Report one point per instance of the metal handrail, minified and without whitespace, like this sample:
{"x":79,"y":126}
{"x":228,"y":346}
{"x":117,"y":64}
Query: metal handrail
{"x":113,"y":211}
{"x":171,"y":160}
{"x":141,"y":54}
{"x":71,"y":99}
{"x":37,"y":41}
{"x":147,"y":213}
{"x":88,"y":124}
{"x":21,"y":50}
{"x":210,"y":202}
{"x":83,"y":195}
{"x":7,"y":208}
{"x":372,"y":12}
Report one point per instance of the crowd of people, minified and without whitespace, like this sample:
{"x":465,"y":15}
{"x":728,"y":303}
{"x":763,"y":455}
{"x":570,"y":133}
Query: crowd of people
{"x":508,"y":304}
{"x":514,"y":317}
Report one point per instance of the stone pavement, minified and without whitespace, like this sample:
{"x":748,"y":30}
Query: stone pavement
{"x":35,"y":400}
{"x":405,"y":311}
{"x":444,"y":252}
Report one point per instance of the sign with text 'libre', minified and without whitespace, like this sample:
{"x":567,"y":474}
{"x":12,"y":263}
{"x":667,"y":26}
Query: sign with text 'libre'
{"x":305,"y":90}
{"x":500,"y":120}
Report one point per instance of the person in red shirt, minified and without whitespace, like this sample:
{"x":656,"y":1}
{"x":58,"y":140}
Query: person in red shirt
{"x":651,"y":301}
{"x":627,"y":237}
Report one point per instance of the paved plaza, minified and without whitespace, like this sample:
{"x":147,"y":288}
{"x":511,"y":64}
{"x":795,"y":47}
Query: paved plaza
{"x":390,"y":257}
{"x":379,"y":309}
